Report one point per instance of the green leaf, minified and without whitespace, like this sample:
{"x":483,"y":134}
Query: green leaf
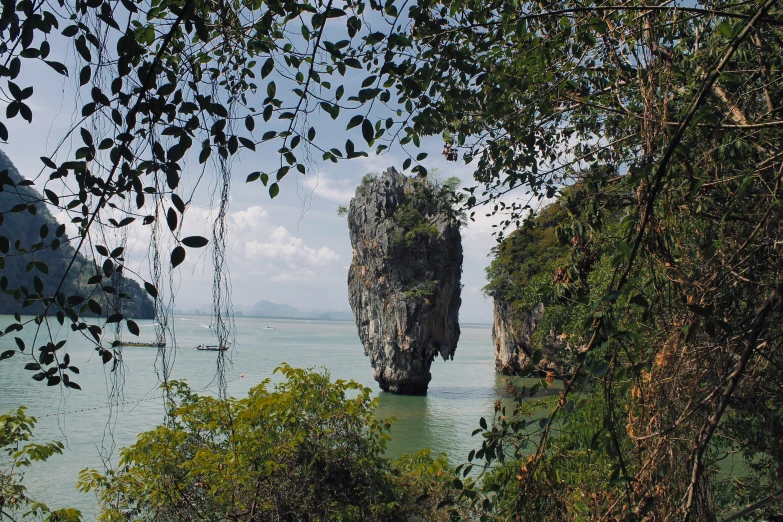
{"x":52,"y":197}
{"x":84,"y":75}
{"x":15,"y":91}
{"x":88,"y":109}
{"x":274,"y":190}
{"x":86,"y":137}
{"x":150,"y":288}
{"x":171,"y":219}
{"x":48,"y":162}
{"x":178,"y":203}
{"x":247,"y":143}
{"x":57,"y":66}
{"x":6,"y":354}
{"x":94,"y":307}
{"x":195,"y":242}
{"x":267,"y":68}
{"x":132,"y":327}
{"x":367,"y":131}
{"x":726,"y":29}
{"x":177,"y":256}
{"x":355,"y":121}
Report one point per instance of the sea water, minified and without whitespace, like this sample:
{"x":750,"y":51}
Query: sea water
{"x":462,"y":390}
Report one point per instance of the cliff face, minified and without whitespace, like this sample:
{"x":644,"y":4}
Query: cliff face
{"x":25,"y":229}
{"x":530,"y":325}
{"x":511,"y":333}
{"x":404,"y":280}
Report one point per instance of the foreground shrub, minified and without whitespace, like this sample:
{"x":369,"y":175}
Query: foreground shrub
{"x":16,"y":454}
{"x":306,"y":449}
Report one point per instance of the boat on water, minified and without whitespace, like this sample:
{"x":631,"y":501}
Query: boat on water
{"x":212,"y":347}
{"x":138,"y":344}
{"x":269,"y":328}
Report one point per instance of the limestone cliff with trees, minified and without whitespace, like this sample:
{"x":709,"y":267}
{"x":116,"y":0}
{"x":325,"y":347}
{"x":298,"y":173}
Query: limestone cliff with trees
{"x":527,"y":337}
{"x":404,"y":279}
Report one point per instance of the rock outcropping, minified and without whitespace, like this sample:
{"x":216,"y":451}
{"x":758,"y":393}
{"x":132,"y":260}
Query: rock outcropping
{"x":512,"y":333}
{"x":404,"y":280}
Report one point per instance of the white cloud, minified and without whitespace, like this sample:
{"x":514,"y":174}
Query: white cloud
{"x":280,"y":244}
{"x":291,"y":276}
{"x":255,"y":246}
{"x":340,"y":191}
{"x":249,"y":218}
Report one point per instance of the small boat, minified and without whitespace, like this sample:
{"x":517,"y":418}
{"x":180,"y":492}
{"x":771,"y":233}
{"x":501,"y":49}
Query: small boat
{"x":269,"y":328}
{"x":212,"y":348}
{"x":137,"y":344}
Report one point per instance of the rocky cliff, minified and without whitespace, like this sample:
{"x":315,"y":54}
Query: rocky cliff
{"x":404,"y":280}
{"x":530,"y":322}
{"x":512,"y":335}
{"x":19,"y":231}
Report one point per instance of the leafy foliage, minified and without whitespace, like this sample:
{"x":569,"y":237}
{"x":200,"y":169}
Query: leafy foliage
{"x":16,"y":453}
{"x":308,"y":449}
{"x":681,"y":338}
{"x":164,"y":85}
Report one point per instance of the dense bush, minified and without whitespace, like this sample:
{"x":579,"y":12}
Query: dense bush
{"x":16,"y":453}
{"x":306,"y":449}
{"x":618,"y":443}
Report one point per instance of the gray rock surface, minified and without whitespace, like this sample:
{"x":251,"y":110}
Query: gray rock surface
{"x":512,"y":331}
{"x":403,"y":285}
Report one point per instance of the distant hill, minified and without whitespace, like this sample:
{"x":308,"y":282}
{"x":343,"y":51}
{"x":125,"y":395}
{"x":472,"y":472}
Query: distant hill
{"x":33,"y":244}
{"x":269,"y":309}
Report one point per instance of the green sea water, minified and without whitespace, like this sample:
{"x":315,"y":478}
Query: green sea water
{"x":461,"y":391}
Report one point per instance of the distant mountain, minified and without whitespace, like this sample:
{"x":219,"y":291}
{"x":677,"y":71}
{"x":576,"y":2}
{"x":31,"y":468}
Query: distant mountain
{"x":269,"y":309}
{"x":35,"y":249}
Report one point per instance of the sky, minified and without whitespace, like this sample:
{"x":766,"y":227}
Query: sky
{"x":294,"y":249}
